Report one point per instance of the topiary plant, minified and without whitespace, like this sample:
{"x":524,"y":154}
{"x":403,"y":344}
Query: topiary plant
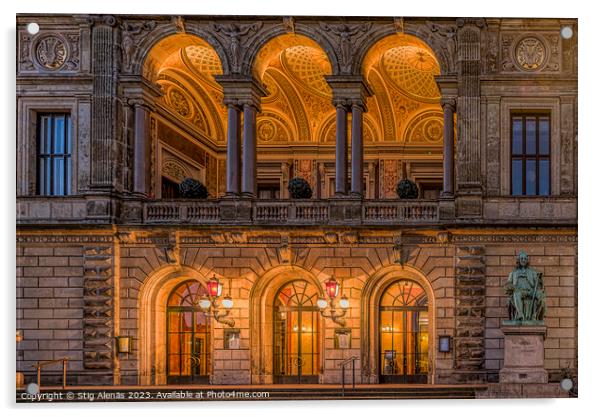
{"x":299,"y":188}
{"x":191,"y":188}
{"x":407,"y":189}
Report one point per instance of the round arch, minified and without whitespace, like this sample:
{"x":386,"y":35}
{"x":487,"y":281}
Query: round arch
{"x":261,"y":300}
{"x":300,"y":29}
{"x":445,"y":61}
{"x":371,"y":295}
{"x":152,"y":305}
{"x":164,"y":35}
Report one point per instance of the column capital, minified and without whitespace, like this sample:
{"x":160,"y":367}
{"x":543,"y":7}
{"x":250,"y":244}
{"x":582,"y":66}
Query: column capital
{"x":241,"y":90}
{"x":448,"y":102}
{"x":140,"y":102}
{"x":361,"y":104}
{"x":348,"y":89}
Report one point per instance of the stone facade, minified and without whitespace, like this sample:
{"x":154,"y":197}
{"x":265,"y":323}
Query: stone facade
{"x":100,"y":263}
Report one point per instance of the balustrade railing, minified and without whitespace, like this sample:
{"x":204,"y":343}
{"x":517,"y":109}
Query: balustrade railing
{"x":291,"y":211}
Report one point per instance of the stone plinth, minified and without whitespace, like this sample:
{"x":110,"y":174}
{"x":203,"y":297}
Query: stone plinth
{"x":523,"y":354}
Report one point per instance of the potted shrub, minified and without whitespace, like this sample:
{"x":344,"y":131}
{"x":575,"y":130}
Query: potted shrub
{"x":407,"y":189}
{"x":299,"y":188}
{"x":191,"y":188}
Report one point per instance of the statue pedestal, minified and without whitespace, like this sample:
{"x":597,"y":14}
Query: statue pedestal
{"x":523,"y":354}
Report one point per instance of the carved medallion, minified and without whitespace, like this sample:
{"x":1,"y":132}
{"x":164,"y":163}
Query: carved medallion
{"x":530,"y":53}
{"x":179,"y":103}
{"x":51,"y":52}
{"x":266,"y":130}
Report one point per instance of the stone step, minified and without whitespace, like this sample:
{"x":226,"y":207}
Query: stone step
{"x":300,"y":393}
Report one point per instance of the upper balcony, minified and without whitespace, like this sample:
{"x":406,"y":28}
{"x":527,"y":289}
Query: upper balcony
{"x":557,"y":211}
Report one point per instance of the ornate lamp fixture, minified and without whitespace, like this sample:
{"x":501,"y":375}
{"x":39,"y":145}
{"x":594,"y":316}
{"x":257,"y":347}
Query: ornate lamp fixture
{"x":210,"y":304}
{"x":332,"y":290}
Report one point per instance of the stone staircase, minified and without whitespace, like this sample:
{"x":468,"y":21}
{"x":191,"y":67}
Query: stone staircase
{"x":276,"y":392}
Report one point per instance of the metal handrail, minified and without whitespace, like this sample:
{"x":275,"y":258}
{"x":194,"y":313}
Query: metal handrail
{"x":42,"y":364}
{"x":342,"y":365}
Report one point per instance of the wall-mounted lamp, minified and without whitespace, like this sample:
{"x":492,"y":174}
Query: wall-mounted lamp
{"x":332,"y":290}
{"x":210,"y":304}
{"x":124,"y":344}
{"x":444,"y":344}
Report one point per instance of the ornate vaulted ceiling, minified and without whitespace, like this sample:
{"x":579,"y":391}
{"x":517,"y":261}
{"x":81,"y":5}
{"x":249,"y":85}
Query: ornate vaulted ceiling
{"x":400,"y":69}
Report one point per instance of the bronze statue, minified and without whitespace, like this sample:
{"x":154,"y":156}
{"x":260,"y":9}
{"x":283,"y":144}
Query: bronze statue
{"x":524,"y":287}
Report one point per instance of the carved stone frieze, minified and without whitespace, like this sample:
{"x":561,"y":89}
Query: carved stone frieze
{"x":491,"y":45}
{"x":470,"y":308}
{"x":442,"y":38}
{"x":235,"y":38}
{"x":346,"y":37}
{"x":98,"y":307}
{"x":132,"y":34}
{"x":229,"y":237}
{"x":44,"y":239}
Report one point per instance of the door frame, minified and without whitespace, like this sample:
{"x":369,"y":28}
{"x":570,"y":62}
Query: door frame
{"x":300,"y":378}
{"x":404,"y":378}
{"x":192,"y":379}
{"x":372,"y":292}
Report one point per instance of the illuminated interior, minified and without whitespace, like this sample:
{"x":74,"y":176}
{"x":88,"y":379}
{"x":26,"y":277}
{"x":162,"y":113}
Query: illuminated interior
{"x":296,"y":124}
{"x":296,"y":333}
{"x":404,"y":333}
{"x":188,"y":341}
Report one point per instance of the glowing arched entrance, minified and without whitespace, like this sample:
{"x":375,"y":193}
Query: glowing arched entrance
{"x":296,"y":333}
{"x":188,"y":335}
{"x":404,"y":338}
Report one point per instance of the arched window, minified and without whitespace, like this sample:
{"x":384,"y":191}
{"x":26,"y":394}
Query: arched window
{"x":296,"y":333}
{"x":188,"y":335}
{"x":404,"y":333}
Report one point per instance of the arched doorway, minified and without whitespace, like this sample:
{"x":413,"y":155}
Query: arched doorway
{"x":188,"y":335}
{"x":404,"y":333}
{"x":296,"y":334}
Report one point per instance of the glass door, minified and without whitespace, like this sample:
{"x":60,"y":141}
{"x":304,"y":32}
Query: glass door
{"x":188,"y":341}
{"x":296,"y":334}
{"x":403,"y":329}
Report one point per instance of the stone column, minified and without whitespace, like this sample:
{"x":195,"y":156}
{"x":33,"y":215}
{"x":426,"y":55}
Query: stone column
{"x":142,"y":161}
{"x":341,"y":151}
{"x":249,"y":151}
{"x":357,"y":150}
{"x":104,"y":165}
{"x":449,"y":107}
{"x":233,"y":151}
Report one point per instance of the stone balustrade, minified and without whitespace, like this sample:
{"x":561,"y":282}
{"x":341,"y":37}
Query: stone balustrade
{"x":70,"y":210}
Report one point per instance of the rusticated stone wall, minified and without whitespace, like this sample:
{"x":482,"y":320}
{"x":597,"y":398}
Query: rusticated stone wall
{"x":66,"y":305}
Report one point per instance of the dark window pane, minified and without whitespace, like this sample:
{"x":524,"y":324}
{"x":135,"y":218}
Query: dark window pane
{"x":530,"y":135}
{"x":544,"y":177}
{"x":45,"y":134}
{"x":58,"y":177}
{"x":54,"y":154}
{"x":47,"y":176}
{"x":517,"y":135}
{"x":530,"y":178}
{"x":68,"y":176}
{"x":517,"y":177}
{"x":544,"y":136}
{"x":59,"y":135}
{"x":41,"y":175}
{"x":68,"y":146}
